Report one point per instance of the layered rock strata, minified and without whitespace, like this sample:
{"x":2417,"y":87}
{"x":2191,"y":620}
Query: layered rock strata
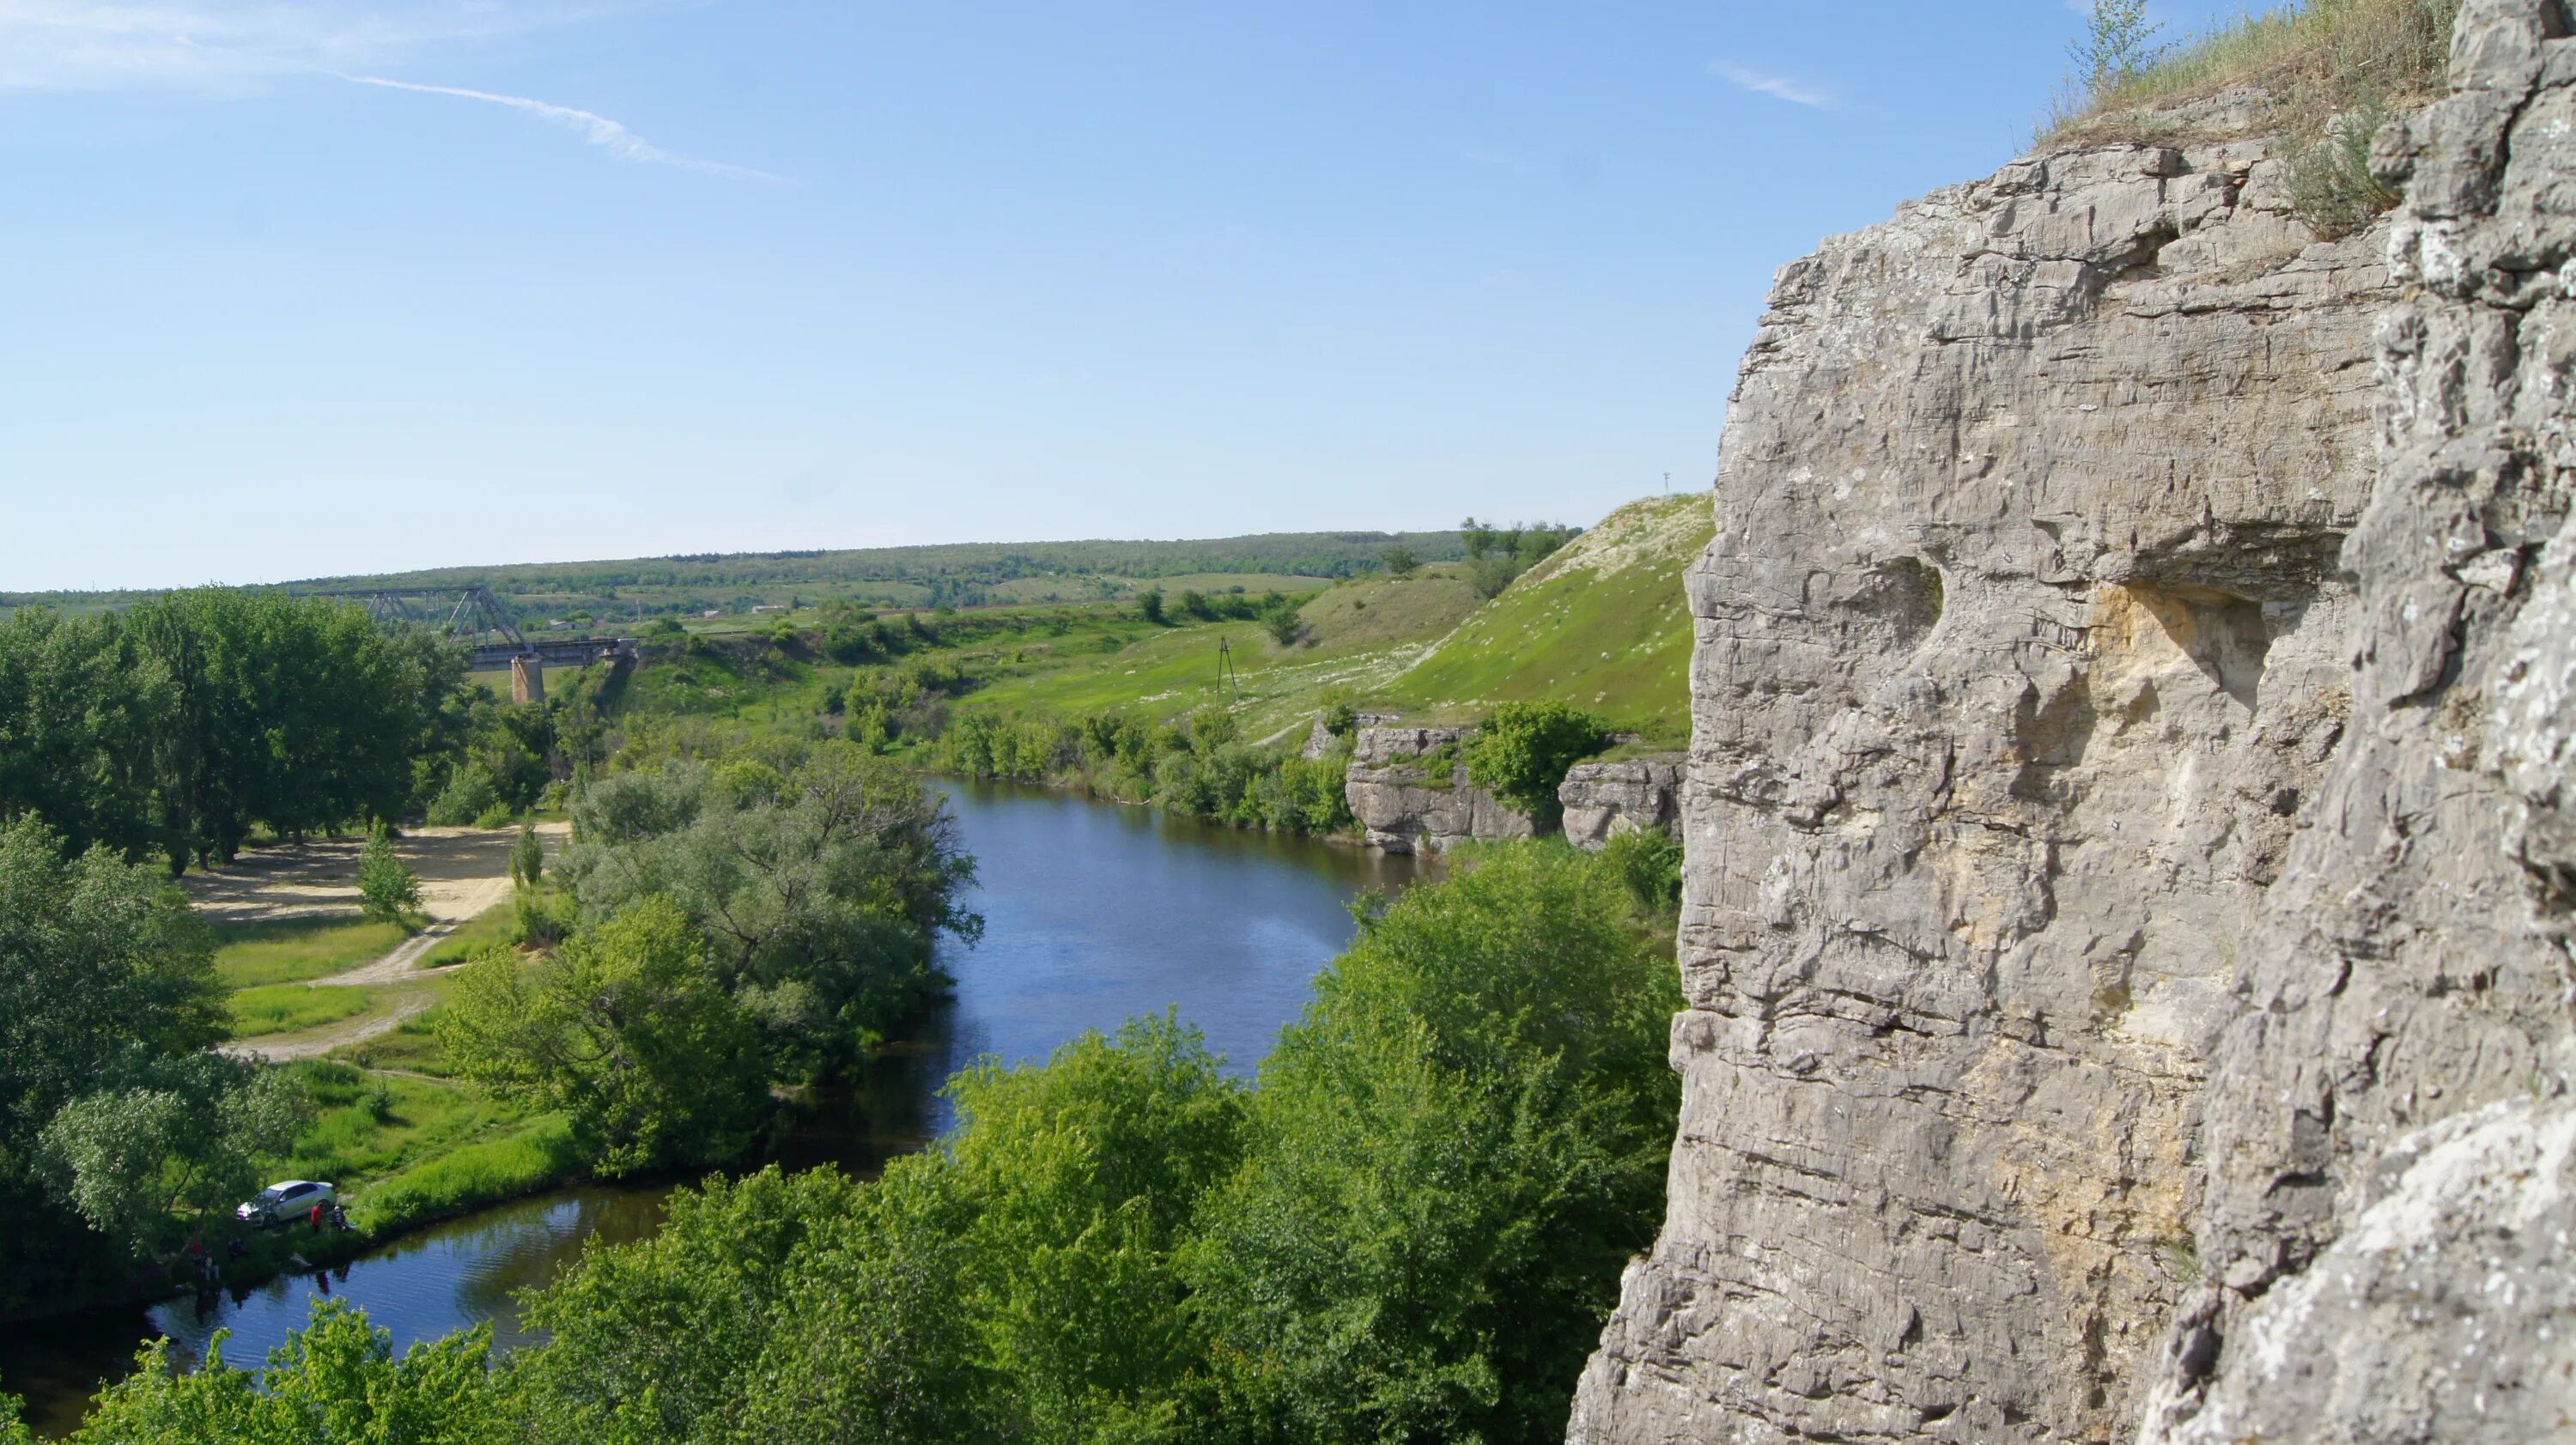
{"x":1599,"y":801}
{"x":1408,"y":787}
{"x":2022,"y":650}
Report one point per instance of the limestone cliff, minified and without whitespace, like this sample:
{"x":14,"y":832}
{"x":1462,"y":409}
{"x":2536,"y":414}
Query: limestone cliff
{"x":2128,"y":837}
{"x":1408,"y":788}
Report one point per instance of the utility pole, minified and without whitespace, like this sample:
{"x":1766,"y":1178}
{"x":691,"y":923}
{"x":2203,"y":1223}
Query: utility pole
{"x":1225,"y":673}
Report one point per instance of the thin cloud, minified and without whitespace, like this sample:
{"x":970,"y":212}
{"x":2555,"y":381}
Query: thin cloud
{"x":1778,"y":87}
{"x":242,"y":45}
{"x":598,"y":130}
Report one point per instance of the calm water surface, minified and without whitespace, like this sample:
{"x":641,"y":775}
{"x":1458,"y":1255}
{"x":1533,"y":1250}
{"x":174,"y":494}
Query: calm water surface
{"x":1093,"y":913}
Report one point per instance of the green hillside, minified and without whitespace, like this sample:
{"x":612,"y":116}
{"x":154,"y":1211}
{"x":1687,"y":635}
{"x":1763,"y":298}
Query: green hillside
{"x":1602,"y":624}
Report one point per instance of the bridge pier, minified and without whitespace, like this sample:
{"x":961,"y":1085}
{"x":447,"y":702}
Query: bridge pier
{"x":527,"y":678}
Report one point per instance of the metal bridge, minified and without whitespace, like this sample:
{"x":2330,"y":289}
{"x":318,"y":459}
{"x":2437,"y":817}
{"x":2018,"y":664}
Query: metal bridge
{"x":474,"y":617}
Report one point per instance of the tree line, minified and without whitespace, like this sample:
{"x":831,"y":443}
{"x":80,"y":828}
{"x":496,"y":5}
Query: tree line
{"x":177,"y":727}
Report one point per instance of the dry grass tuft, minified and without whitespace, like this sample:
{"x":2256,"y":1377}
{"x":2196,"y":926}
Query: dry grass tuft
{"x":2328,"y":70}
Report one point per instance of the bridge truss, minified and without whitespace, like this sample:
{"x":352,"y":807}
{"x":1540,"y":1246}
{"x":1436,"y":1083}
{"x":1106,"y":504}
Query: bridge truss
{"x":473,"y":616}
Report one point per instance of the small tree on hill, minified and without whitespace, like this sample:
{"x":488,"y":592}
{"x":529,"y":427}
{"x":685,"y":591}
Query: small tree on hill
{"x":387,"y":887}
{"x":2116,"y":44}
{"x":1150,"y":606}
{"x":1283,"y":624}
{"x":1399,"y":561}
{"x":1522,"y":750}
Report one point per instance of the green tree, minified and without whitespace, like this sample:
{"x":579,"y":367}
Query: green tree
{"x":627,"y":1029}
{"x":1082,"y":1176}
{"x":297,"y":713}
{"x":185,"y":1137}
{"x":388,"y":889}
{"x":2117,"y":44}
{"x":80,"y":706}
{"x":527,"y":858}
{"x":1448,"y":1160}
{"x":104,"y":970}
{"x":1399,"y":561}
{"x":1522,"y":750}
{"x":1478,"y":537}
{"x":336,"y":1381}
{"x":1150,"y":606}
{"x":820,"y":891}
{"x":1283,"y":623}
{"x":1649,"y":863}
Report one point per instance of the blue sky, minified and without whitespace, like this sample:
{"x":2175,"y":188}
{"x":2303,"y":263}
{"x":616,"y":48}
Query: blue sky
{"x":313,"y":286}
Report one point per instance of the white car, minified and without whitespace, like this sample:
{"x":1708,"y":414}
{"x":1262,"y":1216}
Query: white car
{"x":285,"y":1203}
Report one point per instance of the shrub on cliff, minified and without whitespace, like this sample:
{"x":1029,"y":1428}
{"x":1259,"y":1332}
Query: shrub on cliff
{"x":1522,"y":749}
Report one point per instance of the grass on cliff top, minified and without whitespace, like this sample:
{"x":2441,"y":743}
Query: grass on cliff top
{"x":1602,"y":624}
{"x":2314,"y":61}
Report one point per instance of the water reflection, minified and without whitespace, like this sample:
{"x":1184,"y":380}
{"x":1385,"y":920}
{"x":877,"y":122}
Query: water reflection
{"x":1094,"y":913}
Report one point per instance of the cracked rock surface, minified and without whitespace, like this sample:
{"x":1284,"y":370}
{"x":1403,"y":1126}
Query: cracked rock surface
{"x":2021,"y":652}
{"x":2129,"y":838}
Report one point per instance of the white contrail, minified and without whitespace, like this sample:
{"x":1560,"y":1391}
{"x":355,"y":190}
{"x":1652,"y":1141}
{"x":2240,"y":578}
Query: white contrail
{"x":599,"y":130}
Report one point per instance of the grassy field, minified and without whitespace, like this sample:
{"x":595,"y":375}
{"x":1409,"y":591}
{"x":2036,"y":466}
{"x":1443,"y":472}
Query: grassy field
{"x":405,"y":1150}
{"x":496,"y":924}
{"x":291,"y":950}
{"x":285,"y":1008}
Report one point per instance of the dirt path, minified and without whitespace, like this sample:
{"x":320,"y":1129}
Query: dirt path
{"x":463,"y":872}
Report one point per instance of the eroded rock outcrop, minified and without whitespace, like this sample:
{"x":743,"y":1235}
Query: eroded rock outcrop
{"x":1599,"y":801}
{"x":2021,"y":647}
{"x":1408,"y":787}
{"x":2130,"y":846}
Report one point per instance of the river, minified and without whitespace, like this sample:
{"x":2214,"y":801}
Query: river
{"x":1093,"y":913}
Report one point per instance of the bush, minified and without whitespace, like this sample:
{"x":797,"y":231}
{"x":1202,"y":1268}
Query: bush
{"x":388,"y":889}
{"x":1649,"y":866}
{"x":2331,"y":186}
{"x":1284,"y":625}
{"x":1522,"y":750}
{"x":470,"y":793}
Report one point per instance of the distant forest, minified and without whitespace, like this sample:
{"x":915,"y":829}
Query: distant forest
{"x":962,"y":574}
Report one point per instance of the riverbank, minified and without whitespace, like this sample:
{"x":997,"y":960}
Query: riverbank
{"x":1239,"y":924}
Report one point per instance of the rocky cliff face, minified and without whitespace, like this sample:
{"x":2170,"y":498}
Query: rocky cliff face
{"x":2391,"y":1146}
{"x":2128,"y":846}
{"x":1408,"y":787}
{"x":1602,"y":800}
